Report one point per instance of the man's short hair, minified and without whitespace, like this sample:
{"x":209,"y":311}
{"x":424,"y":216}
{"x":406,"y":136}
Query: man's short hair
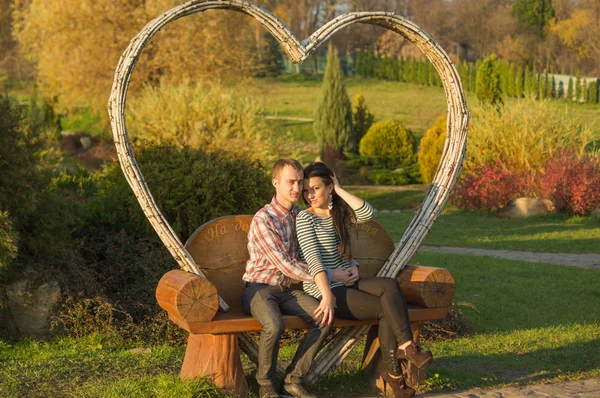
{"x":281,"y":163}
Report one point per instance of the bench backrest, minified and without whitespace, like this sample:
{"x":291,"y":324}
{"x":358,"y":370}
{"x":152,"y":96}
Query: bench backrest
{"x":219,"y":247}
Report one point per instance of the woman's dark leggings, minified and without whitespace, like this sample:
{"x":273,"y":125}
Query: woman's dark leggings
{"x":382,"y":299}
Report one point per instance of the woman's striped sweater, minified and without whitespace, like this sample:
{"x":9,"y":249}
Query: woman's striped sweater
{"x":319,"y":243}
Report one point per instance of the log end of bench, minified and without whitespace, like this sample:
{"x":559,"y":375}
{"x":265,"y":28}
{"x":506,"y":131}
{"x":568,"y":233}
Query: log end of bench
{"x":187,"y":297}
{"x":429,"y":287}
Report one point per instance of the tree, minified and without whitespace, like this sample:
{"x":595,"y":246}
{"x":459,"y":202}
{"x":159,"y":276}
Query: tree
{"x":333,"y":120}
{"x":269,"y":61}
{"x":519,"y":84}
{"x":76,"y":63}
{"x":511,"y":81}
{"x":544,"y":86}
{"x":488,"y":89}
{"x":533,"y":14}
{"x":578,"y":89}
{"x":527,"y":84}
{"x":593,"y":92}
{"x":570,"y":89}
{"x":362,"y":118}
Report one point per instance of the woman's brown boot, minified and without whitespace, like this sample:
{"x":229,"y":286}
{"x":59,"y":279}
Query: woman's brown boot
{"x":413,"y":353}
{"x":397,"y":384}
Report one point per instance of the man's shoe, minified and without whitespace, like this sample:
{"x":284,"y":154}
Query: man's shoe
{"x":295,"y":390}
{"x":267,"y":391}
{"x":413,"y":353}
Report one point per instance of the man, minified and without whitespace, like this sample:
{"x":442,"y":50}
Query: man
{"x":272,"y":266}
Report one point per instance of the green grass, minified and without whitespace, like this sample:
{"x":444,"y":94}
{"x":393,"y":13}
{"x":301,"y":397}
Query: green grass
{"x":390,"y":199}
{"x":553,"y":233}
{"x":534,"y":323}
{"x":89,"y":367}
{"x":84,"y":120}
{"x":413,"y":105}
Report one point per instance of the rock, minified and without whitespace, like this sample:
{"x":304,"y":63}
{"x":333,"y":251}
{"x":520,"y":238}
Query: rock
{"x":31,"y":307}
{"x":74,"y":142}
{"x":525,"y":207}
{"x":596,"y":213}
{"x":86,"y":142}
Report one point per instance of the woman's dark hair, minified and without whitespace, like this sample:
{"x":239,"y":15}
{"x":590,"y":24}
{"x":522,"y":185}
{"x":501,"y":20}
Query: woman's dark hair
{"x":343,"y":216}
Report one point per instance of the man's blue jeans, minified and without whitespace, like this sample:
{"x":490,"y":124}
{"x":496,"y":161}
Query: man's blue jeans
{"x":267,"y":304}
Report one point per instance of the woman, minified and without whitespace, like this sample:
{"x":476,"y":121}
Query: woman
{"x":323,"y":231}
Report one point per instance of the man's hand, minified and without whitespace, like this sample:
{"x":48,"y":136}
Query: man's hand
{"x":326,"y":309}
{"x":353,"y":275}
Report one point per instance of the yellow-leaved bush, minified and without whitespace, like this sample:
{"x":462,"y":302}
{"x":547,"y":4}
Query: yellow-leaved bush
{"x":390,"y":143}
{"x":432,"y":146}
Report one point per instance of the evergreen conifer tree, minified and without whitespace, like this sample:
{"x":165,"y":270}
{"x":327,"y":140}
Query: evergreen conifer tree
{"x":593,"y":90}
{"x":473,"y":76}
{"x":519,"y":89}
{"x":362,"y":119}
{"x":554,"y":92}
{"x":544,"y":85}
{"x":269,"y":57}
{"x":488,"y":90}
{"x":578,"y":88}
{"x":570,"y":89}
{"x":430,"y":74}
{"x":527,"y":84}
{"x":535,"y":83}
{"x":511,"y":81}
{"x":360,"y":63}
{"x":333,"y":120}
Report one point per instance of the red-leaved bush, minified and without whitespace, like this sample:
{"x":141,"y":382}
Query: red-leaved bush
{"x":572,"y":183}
{"x":488,"y":187}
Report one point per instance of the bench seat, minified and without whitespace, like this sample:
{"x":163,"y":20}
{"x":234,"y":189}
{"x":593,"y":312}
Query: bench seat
{"x":236,"y":321}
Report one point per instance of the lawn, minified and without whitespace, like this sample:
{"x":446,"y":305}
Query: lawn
{"x":554,"y":233}
{"x":413,"y":105}
{"x":532,"y":323}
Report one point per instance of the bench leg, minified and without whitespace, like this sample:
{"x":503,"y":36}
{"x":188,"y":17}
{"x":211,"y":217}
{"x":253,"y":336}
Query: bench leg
{"x":218,"y":358}
{"x":372,"y":362}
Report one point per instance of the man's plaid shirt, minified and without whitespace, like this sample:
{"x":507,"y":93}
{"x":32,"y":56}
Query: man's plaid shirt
{"x":273,"y":247}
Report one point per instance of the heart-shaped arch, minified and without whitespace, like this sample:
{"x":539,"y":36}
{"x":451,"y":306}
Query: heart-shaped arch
{"x":445,"y":177}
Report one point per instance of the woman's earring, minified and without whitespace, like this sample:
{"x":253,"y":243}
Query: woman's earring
{"x":330,"y":205}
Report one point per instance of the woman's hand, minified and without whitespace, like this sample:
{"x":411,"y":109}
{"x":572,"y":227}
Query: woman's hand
{"x":326,"y":308}
{"x":336,"y":184}
{"x":340,"y":275}
{"x":353,"y":275}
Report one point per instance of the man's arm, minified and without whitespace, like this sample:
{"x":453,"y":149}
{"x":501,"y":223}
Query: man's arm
{"x":268,"y":241}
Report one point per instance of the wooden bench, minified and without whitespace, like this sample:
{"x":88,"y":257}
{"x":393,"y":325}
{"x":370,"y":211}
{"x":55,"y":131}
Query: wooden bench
{"x":219,"y":247}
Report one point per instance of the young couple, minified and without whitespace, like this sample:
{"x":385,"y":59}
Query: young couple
{"x":280,"y":232}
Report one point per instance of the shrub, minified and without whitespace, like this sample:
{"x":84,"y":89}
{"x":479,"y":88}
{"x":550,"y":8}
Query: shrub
{"x":432,"y":146}
{"x":388,"y":177}
{"x":8,"y":241}
{"x":524,"y":135}
{"x":488,"y":187}
{"x":572,"y":183}
{"x":79,"y":316}
{"x":20,"y":179}
{"x":203,"y":115}
{"x":392,"y":144}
